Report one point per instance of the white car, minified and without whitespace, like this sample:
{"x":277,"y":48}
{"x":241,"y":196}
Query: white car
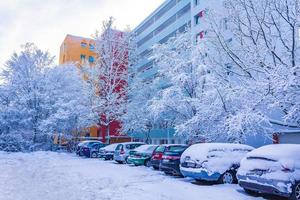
{"x":122,"y":151}
{"x":273,"y":169}
{"x":213,"y":161}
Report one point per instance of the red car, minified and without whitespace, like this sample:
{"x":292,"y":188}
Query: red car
{"x":157,"y":155}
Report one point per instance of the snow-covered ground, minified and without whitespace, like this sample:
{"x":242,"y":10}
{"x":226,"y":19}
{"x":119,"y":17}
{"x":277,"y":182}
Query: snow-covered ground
{"x":60,"y":176}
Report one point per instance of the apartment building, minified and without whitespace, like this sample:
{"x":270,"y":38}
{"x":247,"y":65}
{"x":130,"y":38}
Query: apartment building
{"x":77,"y":49}
{"x":169,"y":18}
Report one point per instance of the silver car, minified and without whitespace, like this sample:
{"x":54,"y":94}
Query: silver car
{"x":122,"y":151}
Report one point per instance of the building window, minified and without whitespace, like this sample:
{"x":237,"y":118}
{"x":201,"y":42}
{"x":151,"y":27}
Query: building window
{"x":197,"y":19}
{"x":91,"y":59}
{"x":199,"y":16}
{"x":200,"y":36}
{"x":92,"y":47}
{"x":83,"y":44}
{"x":82,"y":57}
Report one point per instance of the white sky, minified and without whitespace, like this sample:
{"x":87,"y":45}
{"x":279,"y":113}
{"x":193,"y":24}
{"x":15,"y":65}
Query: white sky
{"x":46,"y":22}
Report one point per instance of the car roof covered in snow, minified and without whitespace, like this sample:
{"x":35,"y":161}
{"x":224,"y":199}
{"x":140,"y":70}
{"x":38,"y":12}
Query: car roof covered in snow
{"x":111,"y":147}
{"x":277,"y":151}
{"x":88,"y":141}
{"x":145,"y":148}
{"x":132,"y":143}
{"x":200,"y":151}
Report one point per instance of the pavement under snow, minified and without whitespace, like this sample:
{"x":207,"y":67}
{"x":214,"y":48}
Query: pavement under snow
{"x":60,"y":176}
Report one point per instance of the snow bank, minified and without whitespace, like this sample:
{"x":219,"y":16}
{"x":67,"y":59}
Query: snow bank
{"x":60,"y":176}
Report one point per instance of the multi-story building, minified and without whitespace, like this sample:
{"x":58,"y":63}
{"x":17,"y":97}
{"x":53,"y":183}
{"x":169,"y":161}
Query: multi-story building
{"x":77,"y":50}
{"x":80,"y":50}
{"x":166,"y":21}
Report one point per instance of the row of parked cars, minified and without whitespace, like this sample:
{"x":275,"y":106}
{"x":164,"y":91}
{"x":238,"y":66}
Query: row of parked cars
{"x":271,"y":169}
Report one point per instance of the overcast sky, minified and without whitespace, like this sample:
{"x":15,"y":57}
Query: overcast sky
{"x":46,"y":22}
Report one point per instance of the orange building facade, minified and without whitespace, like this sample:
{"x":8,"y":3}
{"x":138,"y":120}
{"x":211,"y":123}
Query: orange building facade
{"x":77,"y":50}
{"x":80,"y":50}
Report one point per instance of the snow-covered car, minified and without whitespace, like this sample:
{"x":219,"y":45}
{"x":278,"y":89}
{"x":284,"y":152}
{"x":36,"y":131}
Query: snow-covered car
{"x":90,"y":149}
{"x":122,"y":151}
{"x":141,"y":155}
{"x":107,"y":153}
{"x":213,"y":161}
{"x":80,"y":145}
{"x":273,"y":169}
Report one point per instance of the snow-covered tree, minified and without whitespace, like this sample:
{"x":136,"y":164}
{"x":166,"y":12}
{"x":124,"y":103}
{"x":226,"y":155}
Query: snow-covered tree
{"x":108,"y":76}
{"x":182,"y":79}
{"x":255,"y":50}
{"x":39,"y":100}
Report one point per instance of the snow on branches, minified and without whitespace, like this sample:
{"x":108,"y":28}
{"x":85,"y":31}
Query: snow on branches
{"x":38,"y":100}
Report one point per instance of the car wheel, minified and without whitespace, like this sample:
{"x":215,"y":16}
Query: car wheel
{"x":147,"y":163}
{"x":156,"y":168}
{"x":168,"y":173}
{"x":120,"y":162}
{"x":94,"y":155}
{"x":126,"y":161}
{"x":296,"y":192}
{"x":228,"y":178}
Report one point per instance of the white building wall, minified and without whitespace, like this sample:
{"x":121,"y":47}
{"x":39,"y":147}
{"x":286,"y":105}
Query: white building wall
{"x":289,"y":138}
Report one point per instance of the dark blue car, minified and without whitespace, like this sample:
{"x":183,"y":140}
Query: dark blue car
{"x":89,"y":149}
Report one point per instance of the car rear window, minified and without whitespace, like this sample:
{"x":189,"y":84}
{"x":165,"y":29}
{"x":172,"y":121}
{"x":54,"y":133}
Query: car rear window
{"x":119,"y":147}
{"x":160,"y":149}
{"x":177,"y":148}
{"x":132,"y":146}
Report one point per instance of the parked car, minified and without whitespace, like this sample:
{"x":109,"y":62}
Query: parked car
{"x":122,"y":151}
{"x":80,"y":145}
{"x":141,"y":155}
{"x":158,"y":154}
{"x":213,"y":161}
{"x":272,"y":169}
{"x":170,"y":163}
{"x":90,"y":149}
{"x":107,"y":153}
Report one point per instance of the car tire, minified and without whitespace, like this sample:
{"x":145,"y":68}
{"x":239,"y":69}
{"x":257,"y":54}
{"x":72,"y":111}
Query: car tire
{"x":296,"y":191}
{"x":94,"y":155}
{"x":250,"y":192}
{"x":228,"y":178}
{"x":168,"y":173}
{"x":147,"y":163}
{"x":119,"y":162}
{"x":155,"y":168}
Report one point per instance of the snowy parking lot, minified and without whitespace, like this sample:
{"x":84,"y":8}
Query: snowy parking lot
{"x":60,"y":176}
